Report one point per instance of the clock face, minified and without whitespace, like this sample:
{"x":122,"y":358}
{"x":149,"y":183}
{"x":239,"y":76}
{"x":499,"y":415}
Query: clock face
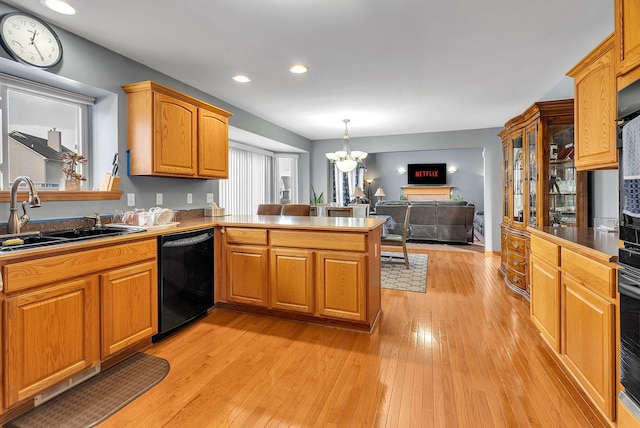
{"x":30,"y":40}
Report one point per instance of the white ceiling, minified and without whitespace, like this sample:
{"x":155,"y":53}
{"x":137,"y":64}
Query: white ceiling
{"x":391,"y":66}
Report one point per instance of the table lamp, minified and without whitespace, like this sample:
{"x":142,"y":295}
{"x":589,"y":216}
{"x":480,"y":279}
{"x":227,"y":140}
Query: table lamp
{"x":379,"y":194}
{"x":358,"y":193}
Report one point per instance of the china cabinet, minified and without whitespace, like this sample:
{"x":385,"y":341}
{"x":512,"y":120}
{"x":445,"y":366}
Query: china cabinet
{"x":540,"y":183}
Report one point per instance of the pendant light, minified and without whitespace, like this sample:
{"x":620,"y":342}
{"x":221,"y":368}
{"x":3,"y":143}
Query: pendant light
{"x":346,"y":160}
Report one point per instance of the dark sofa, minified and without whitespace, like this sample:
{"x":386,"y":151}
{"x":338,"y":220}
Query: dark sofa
{"x":440,"y":221}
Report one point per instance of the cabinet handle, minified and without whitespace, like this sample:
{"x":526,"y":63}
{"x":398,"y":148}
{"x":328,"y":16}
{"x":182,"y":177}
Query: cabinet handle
{"x":516,"y":279}
{"x":516,"y":262}
{"x":516,"y":245}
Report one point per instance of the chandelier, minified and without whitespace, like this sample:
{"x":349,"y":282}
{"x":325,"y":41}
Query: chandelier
{"x":345,"y":159}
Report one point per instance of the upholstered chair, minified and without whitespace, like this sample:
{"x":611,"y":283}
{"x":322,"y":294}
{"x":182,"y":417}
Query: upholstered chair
{"x":301,"y":210}
{"x":269,"y":209}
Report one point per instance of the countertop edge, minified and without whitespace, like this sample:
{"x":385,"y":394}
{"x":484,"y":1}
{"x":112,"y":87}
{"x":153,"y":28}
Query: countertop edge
{"x":600,"y":246}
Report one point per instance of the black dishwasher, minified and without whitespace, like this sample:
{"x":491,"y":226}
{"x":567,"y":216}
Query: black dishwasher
{"x":185,"y":278}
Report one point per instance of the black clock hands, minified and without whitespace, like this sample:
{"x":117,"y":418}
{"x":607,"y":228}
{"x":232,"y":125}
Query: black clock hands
{"x":33,"y":38}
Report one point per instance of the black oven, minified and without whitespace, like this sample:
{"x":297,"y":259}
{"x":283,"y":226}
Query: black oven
{"x":629,"y":288}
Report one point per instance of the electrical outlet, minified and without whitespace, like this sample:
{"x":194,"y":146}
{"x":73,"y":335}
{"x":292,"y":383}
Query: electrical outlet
{"x":189,"y":198}
{"x":209,"y":198}
{"x":158,"y":198}
{"x":131,"y":199}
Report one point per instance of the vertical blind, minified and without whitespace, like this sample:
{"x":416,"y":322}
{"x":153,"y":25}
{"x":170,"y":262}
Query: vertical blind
{"x":250,"y":182}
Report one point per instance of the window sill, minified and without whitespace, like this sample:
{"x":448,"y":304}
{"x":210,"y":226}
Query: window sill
{"x":65,"y":195}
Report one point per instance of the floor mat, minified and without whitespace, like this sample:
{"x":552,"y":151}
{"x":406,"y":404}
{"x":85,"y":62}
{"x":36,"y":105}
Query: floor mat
{"x":95,"y":400}
{"x":397,"y":277}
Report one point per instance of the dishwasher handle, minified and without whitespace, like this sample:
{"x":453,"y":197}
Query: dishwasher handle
{"x":185,"y":242}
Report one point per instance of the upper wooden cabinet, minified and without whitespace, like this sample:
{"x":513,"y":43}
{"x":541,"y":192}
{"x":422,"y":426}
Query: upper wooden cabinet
{"x":627,"y":33}
{"x":171,"y":134}
{"x":595,"y":108}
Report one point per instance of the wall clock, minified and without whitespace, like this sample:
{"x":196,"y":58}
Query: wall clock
{"x":30,"y":40}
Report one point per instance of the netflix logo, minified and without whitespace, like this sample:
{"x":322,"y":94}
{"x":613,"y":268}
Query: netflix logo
{"x":426,"y":173}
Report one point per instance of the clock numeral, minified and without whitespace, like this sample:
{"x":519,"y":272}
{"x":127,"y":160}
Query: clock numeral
{"x":16,"y":26}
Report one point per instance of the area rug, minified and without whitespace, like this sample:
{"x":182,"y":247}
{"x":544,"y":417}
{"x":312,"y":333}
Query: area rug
{"x":398,"y":277}
{"x":96,"y":399}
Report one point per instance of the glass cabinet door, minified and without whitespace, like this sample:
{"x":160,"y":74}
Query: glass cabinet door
{"x":506,"y":192}
{"x":562,"y":176}
{"x":517,"y":149}
{"x":532,"y":173}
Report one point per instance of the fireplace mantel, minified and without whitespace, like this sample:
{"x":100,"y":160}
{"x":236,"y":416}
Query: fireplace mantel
{"x":427,"y":193}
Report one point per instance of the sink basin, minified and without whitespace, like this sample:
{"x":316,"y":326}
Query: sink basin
{"x":90,"y":232}
{"x":27,"y":241}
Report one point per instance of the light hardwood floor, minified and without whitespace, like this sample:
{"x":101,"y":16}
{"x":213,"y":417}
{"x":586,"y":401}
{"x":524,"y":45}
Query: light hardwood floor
{"x":463,"y":354}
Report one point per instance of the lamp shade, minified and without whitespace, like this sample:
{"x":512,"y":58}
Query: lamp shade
{"x":379,"y":192}
{"x":358,"y":193}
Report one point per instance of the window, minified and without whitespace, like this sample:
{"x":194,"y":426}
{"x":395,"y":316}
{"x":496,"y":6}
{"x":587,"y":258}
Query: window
{"x":257,"y":177}
{"x":286,"y":174}
{"x":250,"y":181}
{"x":40,"y":124}
{"x":344,"y":183}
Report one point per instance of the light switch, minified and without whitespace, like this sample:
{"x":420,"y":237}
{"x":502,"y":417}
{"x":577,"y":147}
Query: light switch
{"x":189,"y":198}
{"x":209,"y":198}
{"x":131,"y":199}
{"x":158,"y":198}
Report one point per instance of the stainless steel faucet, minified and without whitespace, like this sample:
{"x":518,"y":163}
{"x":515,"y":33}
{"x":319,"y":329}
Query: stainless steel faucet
{"x":14,"y":224}
{"x":97,"y":222}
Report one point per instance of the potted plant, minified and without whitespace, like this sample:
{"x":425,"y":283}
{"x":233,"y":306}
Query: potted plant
{"x":317,"y":199}
{"x":72,"y":178}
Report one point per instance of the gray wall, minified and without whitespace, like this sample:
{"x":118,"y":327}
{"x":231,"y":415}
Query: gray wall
{"x":91,"y":69}
{"x":468,"y":181}
{"x":464,"y":147}
{"x":94,"y":70}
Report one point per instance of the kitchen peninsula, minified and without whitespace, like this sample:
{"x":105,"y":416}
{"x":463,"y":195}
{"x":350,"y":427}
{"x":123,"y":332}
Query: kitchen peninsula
{"x":319,"y":269}
{"x":96,"y":300}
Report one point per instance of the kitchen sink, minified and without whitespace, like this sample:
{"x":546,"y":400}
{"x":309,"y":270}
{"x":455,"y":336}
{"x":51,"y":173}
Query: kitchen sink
{"x":88,"y":232}
{"x":37,"y":240}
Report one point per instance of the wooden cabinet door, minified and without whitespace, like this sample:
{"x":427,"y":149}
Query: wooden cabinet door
{"x":627,"y":25}
{"x":175,"y":136}
{"x":129,"y":306}
{"x":595,"y":111}
{"x":340,"y":285}
{"x":213,"y":144}
{"x":291,"y":287}
{"x":588,"y":342}
{"x":545,"y":300}
{"x":247,"y":272}
{"x":52,"y":334}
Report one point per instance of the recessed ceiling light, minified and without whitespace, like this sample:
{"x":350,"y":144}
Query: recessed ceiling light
{"x":298,"y":69}
{"x":60,"y":6}
{"x":241,"y":78}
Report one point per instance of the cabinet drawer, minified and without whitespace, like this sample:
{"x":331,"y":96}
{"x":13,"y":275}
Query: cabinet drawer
{"x":516,"y":278}
{"x":595,"y":276}
{"x":516,"y":262}
{"x":238,"y":235}
{"x":31,"y":273}
{"x":516,"y":245}
{"x":545,"y":250}
{"x":319,"y":240}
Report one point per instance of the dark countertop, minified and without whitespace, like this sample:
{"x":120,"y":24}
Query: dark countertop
{"x":326,"y":224}
{"x":585,"y":240}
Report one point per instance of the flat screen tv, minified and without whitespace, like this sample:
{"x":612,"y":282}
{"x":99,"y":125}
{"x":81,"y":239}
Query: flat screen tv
{"x":427,"y":174}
